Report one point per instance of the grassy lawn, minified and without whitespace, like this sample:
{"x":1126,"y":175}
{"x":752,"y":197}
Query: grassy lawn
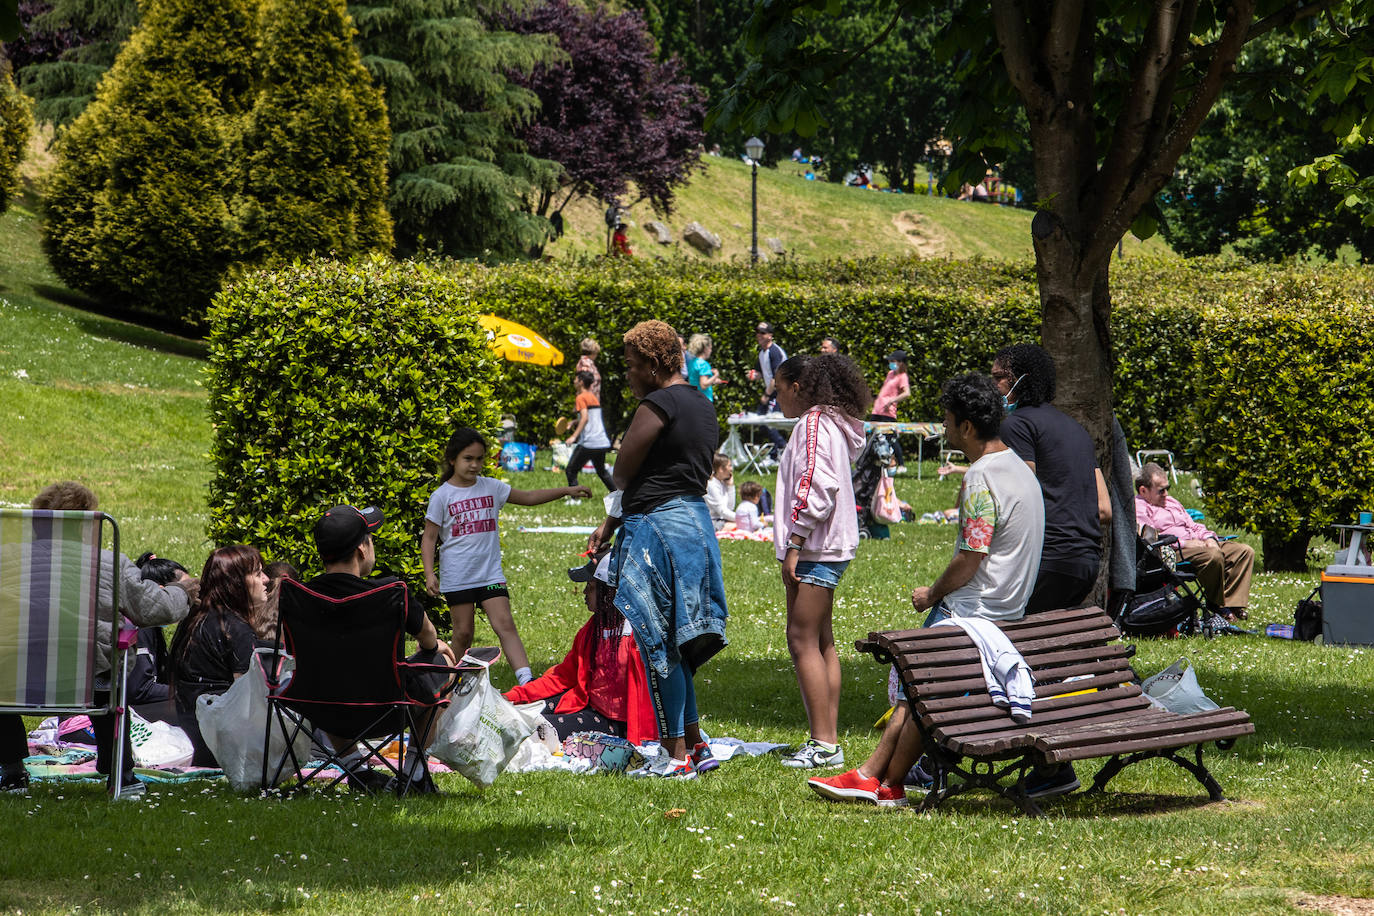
{"x":817,"y":220}
{"x":122,"y":408}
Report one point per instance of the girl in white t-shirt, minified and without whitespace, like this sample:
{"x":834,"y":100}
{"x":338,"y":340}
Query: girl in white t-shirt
{"x":461,"y":522}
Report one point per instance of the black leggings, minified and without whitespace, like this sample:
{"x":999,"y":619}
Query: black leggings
{"x":597,"y":456}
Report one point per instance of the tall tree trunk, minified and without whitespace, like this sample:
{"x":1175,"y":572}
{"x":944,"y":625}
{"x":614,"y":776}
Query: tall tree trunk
{"x":1285,"y":552}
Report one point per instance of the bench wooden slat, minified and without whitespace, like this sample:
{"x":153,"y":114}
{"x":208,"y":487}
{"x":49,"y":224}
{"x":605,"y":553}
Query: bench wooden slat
{"x":999,"y":737}
{"x":1107,"y":749}
{"x":975,"y":684}
{"x":1009,"y":739}
{"x":1042,"y":692}
{"x":1044,"y":665}
{"x":1041,"y":710}
{"x":1164,"y":724}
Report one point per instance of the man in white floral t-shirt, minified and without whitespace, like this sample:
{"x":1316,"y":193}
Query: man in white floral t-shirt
{"x":992,"y":572}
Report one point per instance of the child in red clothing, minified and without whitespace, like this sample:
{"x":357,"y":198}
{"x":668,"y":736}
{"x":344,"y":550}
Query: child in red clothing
{"x":601,"y":684}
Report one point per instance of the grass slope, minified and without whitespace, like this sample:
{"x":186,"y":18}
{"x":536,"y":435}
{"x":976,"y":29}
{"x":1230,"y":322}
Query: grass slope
{"x":122,"y":409}
{"x":816,"y":220}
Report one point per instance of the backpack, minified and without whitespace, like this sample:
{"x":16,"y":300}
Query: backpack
{"x":1157,"y":613}
{"x":1307,"y":618}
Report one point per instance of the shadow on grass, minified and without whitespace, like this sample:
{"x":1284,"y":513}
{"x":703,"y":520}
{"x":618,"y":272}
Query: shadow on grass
{"x":128,"y":325}
{"x":220,"y":852}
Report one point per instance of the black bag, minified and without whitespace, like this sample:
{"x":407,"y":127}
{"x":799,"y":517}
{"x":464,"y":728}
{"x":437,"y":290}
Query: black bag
{"x":1156,"y":613}
{"x":1307,"y":618}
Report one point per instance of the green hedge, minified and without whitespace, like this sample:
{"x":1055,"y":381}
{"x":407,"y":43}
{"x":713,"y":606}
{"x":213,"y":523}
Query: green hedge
{"x":333,"y":383}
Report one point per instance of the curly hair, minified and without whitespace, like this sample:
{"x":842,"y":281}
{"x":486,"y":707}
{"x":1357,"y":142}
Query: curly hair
{"x":831,"y":379}
{"x":973,"y":396}
{"x":66,"y":494}
{"x":1034,"y":371}
{"x":697,"y":344}
{"x":656,"y":343}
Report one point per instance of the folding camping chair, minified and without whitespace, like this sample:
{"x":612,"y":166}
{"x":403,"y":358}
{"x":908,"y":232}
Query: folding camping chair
{"x":51,"y":567}
{"x":349,"y":681}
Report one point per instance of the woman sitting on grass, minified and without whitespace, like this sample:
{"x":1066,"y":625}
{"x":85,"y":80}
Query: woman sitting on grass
{"x":600,"y":686}
{"x":213,"y":647}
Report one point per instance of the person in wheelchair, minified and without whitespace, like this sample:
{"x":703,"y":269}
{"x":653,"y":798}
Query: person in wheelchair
{"x":1223,"y":566}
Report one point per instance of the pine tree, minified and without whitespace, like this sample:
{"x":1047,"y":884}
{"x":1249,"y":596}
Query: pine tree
{"x":16,"y":123}
{"x":140,"y":204}
{"x":460,"y":181}
{"x":316,"y":141}
{"x":90,"y":34}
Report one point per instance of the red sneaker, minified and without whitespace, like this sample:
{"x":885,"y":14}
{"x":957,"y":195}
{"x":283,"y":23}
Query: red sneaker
{"x":892,"y":797}
{"x":848,"y":786}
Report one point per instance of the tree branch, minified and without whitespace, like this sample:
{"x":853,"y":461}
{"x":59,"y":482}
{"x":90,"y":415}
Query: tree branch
{"x":1153,"y":173}
{"x":1062,"y":36}
{"x":1009,"y":22}
{"x":1149,"y":103}
{"x":881,"y":37}
{"x":1284,"y":17}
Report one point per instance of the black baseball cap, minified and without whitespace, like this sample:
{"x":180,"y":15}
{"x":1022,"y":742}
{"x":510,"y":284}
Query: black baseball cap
{"x":343,"y":528}
{"x":763,"y":327}
{"x":897,"y":356}
{"x":596,"y":568}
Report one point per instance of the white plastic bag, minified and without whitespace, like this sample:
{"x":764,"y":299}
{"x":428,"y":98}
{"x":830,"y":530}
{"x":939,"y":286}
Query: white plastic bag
{"x":158,"y":744}
{"x":562,"y":452}
{"x":233,"y":724}
{"x":481,"y":730}
{"x":1177,"y":690}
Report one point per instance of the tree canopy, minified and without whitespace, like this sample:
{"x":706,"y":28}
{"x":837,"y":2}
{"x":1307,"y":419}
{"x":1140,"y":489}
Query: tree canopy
{"x":68,"y":47}
{"x":610,"y":114}
{"x":460,"y":182}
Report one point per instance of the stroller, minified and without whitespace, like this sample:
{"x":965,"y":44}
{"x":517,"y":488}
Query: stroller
{"x":869,"y":468}
{"x":1167,"y":601}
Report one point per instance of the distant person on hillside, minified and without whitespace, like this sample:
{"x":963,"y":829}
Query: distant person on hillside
{"x":620,"y":243}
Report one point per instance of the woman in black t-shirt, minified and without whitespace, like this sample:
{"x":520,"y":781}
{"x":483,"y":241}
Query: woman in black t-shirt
{"x":213,"y":646}
{"x":666,"y":562}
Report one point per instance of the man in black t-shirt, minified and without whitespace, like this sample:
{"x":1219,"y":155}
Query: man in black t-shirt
{"x":343,"y":537}
{"x":1061,"y":454}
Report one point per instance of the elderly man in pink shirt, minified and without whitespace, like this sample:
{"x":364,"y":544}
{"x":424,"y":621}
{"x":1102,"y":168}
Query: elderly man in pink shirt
{"x":1223,"y":567}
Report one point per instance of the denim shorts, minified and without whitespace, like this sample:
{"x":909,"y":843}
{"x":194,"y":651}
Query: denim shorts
{"x":816,"y":572}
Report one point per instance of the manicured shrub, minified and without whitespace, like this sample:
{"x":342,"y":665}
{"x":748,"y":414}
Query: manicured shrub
{"x":316,"y":141}
{"x":339,"y":383}
{"x":140,"y":203}
{"x":16,"y":123}
{"x":1283,"y":408}
{"x":226,"y":134}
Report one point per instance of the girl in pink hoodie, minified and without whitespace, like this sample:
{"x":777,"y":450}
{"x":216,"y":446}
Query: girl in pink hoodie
{"x":816,"y":530}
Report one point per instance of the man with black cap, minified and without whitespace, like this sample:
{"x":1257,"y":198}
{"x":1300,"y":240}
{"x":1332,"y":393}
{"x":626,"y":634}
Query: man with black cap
{"x":343,"y":536}
{"x":771,"y":356}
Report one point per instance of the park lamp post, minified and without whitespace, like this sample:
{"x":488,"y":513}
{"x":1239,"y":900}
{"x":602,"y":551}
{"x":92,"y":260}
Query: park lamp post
{"x":753,"y":148}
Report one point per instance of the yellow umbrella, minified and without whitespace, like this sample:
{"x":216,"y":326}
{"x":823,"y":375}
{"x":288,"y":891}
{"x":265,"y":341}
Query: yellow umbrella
{"x":518,"y":343}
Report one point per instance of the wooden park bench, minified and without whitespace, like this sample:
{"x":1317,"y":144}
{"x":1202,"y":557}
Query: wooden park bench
{"x":1100,"y":713}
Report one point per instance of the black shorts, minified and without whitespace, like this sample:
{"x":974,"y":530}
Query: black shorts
{"x":476,"y":595}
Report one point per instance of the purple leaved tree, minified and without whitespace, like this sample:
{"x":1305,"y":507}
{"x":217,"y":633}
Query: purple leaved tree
{"x":611,"y":114}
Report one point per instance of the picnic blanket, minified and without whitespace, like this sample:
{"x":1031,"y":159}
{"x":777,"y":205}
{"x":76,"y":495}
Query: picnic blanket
{"x":730,"y":533}
{"x":555,"y":529}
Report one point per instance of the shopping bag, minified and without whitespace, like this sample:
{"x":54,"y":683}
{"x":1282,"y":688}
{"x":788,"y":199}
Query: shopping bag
{"x":517,"y":456}
{"x":233,"y":724}
{"x":886,"y":507}
{"x":481,"y":730}
{"x":158,"y":744}
{"x":562,"y":453}
{"x":1177,"y":690}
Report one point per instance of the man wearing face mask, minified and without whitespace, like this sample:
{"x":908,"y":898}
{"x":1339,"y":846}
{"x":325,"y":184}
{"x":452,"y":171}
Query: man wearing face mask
{"x":1061,"y":454}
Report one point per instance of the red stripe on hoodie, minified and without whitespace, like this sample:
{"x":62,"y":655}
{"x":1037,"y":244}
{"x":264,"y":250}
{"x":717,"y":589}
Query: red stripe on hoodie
{"x":813,"y":423}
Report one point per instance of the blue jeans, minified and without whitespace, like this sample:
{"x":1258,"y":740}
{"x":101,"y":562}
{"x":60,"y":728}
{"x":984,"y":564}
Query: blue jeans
{"x":822,"y":573}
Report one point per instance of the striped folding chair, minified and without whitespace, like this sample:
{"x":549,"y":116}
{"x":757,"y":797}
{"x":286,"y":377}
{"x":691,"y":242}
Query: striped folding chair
{"x":50,"y":569}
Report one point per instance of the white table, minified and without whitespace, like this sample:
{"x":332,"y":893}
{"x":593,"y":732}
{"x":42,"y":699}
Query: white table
{"x":751,"y":454}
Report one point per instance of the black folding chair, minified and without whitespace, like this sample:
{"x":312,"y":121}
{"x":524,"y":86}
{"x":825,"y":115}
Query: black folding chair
{"x":349,"y":682}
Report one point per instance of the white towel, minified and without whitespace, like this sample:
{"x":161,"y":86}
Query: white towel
{"x":1006,"y":673}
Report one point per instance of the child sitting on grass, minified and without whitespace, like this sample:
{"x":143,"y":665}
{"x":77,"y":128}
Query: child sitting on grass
{"x":747,"y":517}
{"x":461,"y":523}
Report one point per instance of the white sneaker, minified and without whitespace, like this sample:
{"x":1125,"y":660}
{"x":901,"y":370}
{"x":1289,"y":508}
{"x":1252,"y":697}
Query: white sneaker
{"x":664,"y":767}
{"x":811,"y":756}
